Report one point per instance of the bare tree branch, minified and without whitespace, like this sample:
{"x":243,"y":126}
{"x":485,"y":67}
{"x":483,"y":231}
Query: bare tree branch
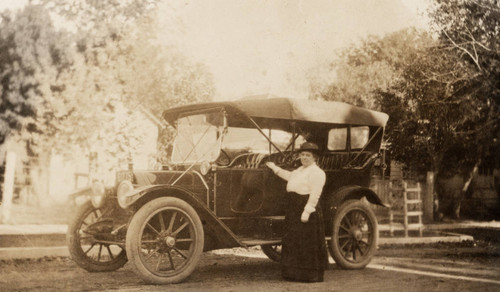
{"x":491,"y":7}
{"x":474,"y":58}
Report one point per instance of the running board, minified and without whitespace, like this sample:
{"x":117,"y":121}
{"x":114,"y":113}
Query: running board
{"x":253,"y":241}
{"x":260,"y":217}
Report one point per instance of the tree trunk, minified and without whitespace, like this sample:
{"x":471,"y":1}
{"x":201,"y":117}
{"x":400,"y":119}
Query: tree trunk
{"x":8,"y":186}
{"x":451,"y":190}
{"x":40,"y":175}
{"x":465,"y":188}
{"x":473,"y":172}
{"x":428,"y":201}
{"x":432,"y":186}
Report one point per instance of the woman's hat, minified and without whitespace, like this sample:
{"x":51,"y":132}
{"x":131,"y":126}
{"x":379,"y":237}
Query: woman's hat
{"x":308,"y":146}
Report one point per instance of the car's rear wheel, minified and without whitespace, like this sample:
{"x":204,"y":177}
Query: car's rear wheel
{"x":165,"y":241}
{"x":354,"y":236}
{"x":88,"y":241}
{"x":272,"y":251}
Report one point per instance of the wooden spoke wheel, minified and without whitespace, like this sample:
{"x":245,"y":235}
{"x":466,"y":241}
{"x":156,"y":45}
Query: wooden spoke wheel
{"x":165,"y":240}
{"x":354,"y":236}
{"x":88,"y":241}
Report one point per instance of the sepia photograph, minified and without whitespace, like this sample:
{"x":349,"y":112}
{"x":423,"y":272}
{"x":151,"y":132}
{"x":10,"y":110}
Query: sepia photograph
{"x":250,"y":145}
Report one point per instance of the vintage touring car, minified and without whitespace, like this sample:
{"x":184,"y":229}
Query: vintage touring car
{"x":217,"y":192}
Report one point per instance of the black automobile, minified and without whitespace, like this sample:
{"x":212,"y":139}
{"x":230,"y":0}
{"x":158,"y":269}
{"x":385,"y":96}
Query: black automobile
{"x":216,"y":192}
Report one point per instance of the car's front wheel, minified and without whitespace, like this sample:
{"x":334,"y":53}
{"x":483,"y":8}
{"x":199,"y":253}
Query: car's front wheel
{"x":354,"y":235}
{"x":165,"y":241}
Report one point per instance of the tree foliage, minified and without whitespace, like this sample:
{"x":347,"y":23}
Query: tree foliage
{"x":33,"y":55}
{"x":441,"y":92}
{"x":448,"y":119}
{"x":124,"y":62}
{"x":470,"y":29}
{"x":84,"y":83}
{"x":429,"y":119}
{"x":374,"y":64}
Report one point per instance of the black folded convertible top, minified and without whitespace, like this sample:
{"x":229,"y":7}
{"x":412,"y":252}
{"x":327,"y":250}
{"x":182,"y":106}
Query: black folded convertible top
{"x":290,"y":109}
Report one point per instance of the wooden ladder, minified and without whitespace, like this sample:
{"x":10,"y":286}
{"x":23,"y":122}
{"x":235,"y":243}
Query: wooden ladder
{"x":415,"y":201}
{"x":412,"y":207}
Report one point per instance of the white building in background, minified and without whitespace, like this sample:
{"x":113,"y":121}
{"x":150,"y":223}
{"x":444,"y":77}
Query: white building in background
{"x":68,"y":175}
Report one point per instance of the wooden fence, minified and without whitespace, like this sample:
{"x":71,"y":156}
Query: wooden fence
{"x":405,"y":205}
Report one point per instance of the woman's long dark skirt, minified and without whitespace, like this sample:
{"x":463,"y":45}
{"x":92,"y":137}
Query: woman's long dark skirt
{"x":303,"y":255}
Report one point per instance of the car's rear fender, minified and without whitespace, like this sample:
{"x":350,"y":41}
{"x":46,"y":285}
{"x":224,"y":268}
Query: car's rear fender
{"x":218,"y":235}
{"x":344,"y":194}
{"x":354,"y":193}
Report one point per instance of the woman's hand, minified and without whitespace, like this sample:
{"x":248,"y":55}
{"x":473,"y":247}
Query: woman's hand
{"x":272,"y":166}
{"x":284,"y":174}
{"x":305,"y":217}
{"x":308,"y":209}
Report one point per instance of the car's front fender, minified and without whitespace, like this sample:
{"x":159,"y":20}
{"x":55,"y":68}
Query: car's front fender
{"x":225,"y":238}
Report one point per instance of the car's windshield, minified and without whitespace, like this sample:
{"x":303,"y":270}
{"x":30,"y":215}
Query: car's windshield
{"x":198,"y":137}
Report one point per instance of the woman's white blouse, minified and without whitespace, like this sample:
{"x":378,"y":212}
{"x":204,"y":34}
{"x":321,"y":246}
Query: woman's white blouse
{"x":305,"y":181}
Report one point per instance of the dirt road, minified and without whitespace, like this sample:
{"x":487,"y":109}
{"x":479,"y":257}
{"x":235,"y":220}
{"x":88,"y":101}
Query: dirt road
{"x":462,"y":267}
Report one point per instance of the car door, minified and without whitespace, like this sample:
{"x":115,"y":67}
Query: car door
{"x":244,"y":191}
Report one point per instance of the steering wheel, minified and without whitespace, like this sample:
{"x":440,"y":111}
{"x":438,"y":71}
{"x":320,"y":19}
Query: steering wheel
{"x":290,"y":160}
{"x":295,"y":161}
{"x":286,"y":160}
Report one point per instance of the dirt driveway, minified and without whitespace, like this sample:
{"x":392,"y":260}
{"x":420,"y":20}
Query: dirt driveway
{"x":441,"y":267}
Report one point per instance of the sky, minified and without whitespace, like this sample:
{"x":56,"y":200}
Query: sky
{"x":268,"y":46}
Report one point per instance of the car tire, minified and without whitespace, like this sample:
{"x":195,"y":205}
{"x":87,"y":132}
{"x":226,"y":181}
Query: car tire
{"x":165,"y":240}
{"x":272,"y":251}
{"x":85,"y":249}
{"x":354,"y":235}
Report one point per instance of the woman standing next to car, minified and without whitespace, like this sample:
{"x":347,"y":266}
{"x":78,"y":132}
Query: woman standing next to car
{"x":303,"y":255}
